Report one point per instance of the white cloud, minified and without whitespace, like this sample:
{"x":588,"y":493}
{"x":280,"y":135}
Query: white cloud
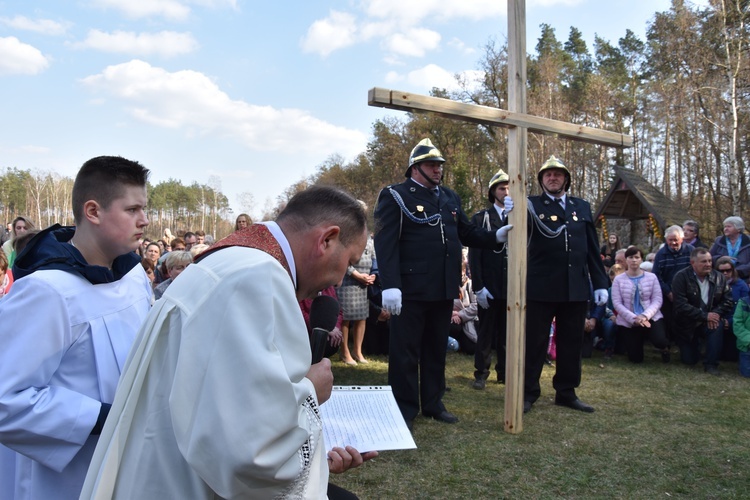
{"x":169,"y":9}
{"x":415,"y":43}
{"x":164,"y":43}
{"x":401,"y":26}
{"x":18,"y":58}
{"x":432,"y":75}
{"x":393,"y":77}
{"x":439,"y":10}
{"x":551,"y":3}
{"x":405,"y":27}
{"x":191,"y":102}
{"x":43,"y":26}
{"x":173,"y":10}
{"x":332,"y":33}
{"x":460,"y":46}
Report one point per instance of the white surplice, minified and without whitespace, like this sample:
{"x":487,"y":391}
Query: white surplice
{"x":63,"y":346}
{"x":214,"y":400}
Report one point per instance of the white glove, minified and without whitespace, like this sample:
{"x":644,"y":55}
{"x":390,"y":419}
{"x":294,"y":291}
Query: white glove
{"x":601,"y":296}
{"x":502,"y":234}
{"x":392,"y":301}
{"x":483,"y":297}
{"x":508,"y":204}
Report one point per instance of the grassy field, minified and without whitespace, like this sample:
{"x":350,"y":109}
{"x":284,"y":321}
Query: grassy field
{"x":659,"y":431}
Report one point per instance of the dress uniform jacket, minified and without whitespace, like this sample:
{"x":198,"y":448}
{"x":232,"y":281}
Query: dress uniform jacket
{"x":489,"y":268}
{"x":559,"y":266}
{"x":425,"y":263}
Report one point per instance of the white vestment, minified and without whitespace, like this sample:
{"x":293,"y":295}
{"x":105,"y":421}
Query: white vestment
{"x":214,"y":400}
{"x":63,"y":345}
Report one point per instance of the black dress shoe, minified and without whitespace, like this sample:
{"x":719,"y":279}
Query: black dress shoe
{"x":445,"y":416}
{"x":478,"y":384}
{"x":527,"y":406}
{"x":575,"y":404}
{"x":410,"y":425}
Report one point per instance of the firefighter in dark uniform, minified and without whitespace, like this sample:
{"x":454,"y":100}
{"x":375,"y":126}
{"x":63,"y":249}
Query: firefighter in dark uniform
{"x":489,"y":278}
{"x":563,"y":254}
{"x":419,"y":232}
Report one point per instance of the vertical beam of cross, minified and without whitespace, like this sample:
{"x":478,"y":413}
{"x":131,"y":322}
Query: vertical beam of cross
{"x":517,"y":147}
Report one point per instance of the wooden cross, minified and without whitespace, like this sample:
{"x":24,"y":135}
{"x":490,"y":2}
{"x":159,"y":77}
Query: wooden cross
{"x":518,"y":123}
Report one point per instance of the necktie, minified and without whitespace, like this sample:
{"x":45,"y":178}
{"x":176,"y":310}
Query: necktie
{"x":437,"y":192}
{"x":560,"y":202}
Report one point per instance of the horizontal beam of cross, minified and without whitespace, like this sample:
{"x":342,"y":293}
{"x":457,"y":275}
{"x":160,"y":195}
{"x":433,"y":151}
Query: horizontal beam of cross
{"x":485,"y":115}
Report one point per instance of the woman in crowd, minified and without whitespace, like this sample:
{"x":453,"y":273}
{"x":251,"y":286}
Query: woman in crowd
{"x":149,"y":267}
{"x":725,"y":265}
{"x":176,"y":262}
{"x":735,"y":244}
{"x":354,"y":303}
{"x":610,"y":247}
{"x":20,"y":226}
{"x":243,"y":220}
{"x":637,"y":298}
{"x":465,"y":314}
{"x":152,"y":253}
{"x":6,"y":275}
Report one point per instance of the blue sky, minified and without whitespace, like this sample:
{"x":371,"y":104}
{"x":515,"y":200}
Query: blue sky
{"x":252,"y":95}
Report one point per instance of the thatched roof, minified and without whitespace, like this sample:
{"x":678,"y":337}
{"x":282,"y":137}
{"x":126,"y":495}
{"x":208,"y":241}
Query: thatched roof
{"x":632,"y":197}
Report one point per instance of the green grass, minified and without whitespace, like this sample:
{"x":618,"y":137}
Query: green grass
{"x":659,"y":431}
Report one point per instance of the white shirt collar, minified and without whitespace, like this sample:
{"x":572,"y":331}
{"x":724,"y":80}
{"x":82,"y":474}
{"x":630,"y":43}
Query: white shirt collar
{"x":278,"y":234}
{"x":563,"y":198}
{"x":500,"y":210}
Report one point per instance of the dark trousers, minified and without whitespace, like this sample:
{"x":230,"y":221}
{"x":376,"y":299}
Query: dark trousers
{"x":569,"y":319}
{"x":416,"y":360}
{"x":668,"y":313}
{"x":635,"y":337}
{"x":492,"y":324}
{"x":690,"y":345}
{"x":339,"y":493}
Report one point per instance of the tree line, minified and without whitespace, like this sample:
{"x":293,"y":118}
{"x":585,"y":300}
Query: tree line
{"x":682,"y":93}
{"x":45,"y":198}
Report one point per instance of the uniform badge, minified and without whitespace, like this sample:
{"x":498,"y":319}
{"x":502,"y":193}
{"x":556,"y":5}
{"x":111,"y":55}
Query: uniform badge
{"x":412,"y":190}
{"x":541,"y":216}
{"x":553,"y":218}
{"x":420,"y":208}
{"x":575,"y":217}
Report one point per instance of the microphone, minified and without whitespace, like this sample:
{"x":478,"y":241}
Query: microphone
{"x":324,"y":312}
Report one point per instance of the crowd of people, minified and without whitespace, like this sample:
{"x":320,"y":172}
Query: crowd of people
{"x":686,"y":297}
{"x":190,"y":375}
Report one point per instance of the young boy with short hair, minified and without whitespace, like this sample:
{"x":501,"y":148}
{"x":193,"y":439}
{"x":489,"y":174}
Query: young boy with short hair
{"x":78,"y":301}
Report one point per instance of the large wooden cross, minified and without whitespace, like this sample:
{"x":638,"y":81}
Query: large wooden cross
{"x":518,"y":123}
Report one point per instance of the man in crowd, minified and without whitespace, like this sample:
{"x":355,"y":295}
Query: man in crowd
{"x":190,"y":240}
{"x":419,"y":233}
{"x":489,"y":276}
{"x":219,"y":398}
{"x":563,"y":252}
{"x":673,"y":257}
{"x":701,"y":299}
{"x":691,"y":231}
{"x":79,"y":299}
